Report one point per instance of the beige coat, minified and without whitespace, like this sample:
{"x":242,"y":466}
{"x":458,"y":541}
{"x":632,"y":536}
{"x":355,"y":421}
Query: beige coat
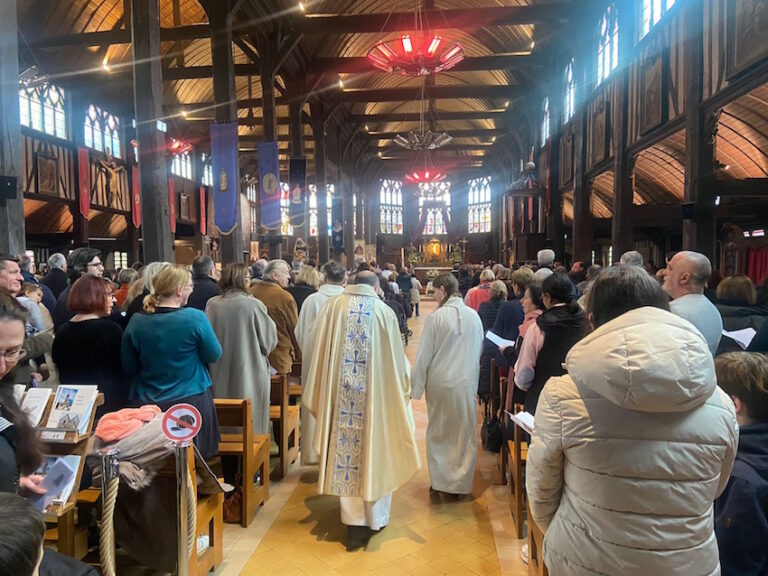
{"x":282,"y":309}
{"x":630,"y":450}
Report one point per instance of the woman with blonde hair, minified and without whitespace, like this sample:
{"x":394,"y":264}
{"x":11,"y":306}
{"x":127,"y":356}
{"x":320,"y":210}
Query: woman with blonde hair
{"x":141,"y":288}
{"x":247,"y":336}
{"x":308,"y":280}
{"x":165,"y":353}
{"x":447,"y":368}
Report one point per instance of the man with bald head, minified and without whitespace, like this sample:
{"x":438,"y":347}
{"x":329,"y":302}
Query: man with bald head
{"x":358,"y":388}
{"x":685,"y":280}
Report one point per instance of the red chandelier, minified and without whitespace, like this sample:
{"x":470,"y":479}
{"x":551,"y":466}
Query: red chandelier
{"x":425,"y":177}
{"x":416,"y":55}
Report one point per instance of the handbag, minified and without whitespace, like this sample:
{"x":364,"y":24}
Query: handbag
{"x":233,"y":502}
{"x":490,"y":433}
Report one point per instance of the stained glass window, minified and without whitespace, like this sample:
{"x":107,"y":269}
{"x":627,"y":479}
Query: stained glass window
{"x":102,"y":130}
{"x":207,"y":179}
{"x":42,"y":108}
{"x":252,"y":192}
{"x":391,"y":206}
{"x":313,"y":225}
{"x":438,"y":195}
{"x":254,"y":218}
{"x":285,"y":209}
{"x":570,"y":92}
{"x":651,"y":12}
{"x":608,"y":48}
{"x":181,"y":160}
{"x":545,"y":121}
{"x":479,"y":203}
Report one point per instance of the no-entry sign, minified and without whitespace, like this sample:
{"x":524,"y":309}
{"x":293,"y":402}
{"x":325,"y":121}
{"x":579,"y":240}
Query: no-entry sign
{"x":181,"y":422}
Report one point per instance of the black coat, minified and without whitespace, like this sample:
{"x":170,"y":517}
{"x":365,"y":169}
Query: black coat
{"x":56,"y":280}
{"x":507,"y":325}
{"x":488,"y":313}
{"x":300,"y":292}
{"x":205,"y":289}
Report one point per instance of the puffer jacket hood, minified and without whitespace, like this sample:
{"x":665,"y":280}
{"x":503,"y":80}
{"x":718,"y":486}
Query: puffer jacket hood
{"x":650,"y":360}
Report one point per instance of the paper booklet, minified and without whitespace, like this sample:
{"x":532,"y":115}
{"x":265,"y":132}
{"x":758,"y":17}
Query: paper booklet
{"x":498,"y":340}
{"x":523,"y":419}
{"x":34,"y":404}
{"x":72,"y":407}
{"x":18,"y":392}
{"x":742,"y":337}
{"x":59,"y":479}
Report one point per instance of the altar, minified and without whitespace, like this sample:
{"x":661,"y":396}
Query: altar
{"x":433,"y":257}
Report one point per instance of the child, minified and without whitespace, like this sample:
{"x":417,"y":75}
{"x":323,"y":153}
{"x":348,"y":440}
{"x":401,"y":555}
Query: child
{"x":30,"y":297}
{"x":741,"y":512}
{"x":21,"y":536}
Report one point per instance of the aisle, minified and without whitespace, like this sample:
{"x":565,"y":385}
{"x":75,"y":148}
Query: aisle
{"x":299,"y":532}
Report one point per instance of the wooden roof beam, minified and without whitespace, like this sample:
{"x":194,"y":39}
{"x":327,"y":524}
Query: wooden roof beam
{"x":361,"y":64}
{"x":439,"y":116}
{"x":121,"y":36}
{"x":480,"y":133}
{"x":438,"y":92}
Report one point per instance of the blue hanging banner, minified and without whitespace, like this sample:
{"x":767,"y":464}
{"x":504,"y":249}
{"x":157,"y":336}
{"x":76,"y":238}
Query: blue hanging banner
{"x":298,"y":183}
{"x":269,"y":183}
{"x":337,"y":224}
{"x":224,"y":152}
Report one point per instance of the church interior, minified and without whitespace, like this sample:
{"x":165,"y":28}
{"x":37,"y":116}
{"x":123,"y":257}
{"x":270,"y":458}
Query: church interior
{"x":425,"y":134}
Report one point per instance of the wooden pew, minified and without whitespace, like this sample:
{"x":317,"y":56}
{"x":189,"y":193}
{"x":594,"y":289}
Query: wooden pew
{"x":295,"y":389}
{"x":536,"y":566}
{"x":252,"y":449}
{"x":210,"y":520}
{"x":286,"y":420}
{"x":500,"y":382}
{"x":517,"y":451}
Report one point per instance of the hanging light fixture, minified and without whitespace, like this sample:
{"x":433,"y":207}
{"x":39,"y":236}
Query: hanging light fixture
{"x":416,"y":55}
{"x":425,"y":176}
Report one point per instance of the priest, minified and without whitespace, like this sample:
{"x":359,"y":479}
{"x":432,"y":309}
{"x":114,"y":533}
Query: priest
{"x":358,"y":388}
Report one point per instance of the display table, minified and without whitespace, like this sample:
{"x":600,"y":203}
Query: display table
{"x":422,"y":271}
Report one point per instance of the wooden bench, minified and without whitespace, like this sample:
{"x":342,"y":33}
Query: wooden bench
{"x":536,"y":566}
{"x":517,"y":451}
{"x":210,"y":520}
{"x":295,"y":389}
{"x":286,"y":420}
{"x":253,"y":451}
{"x":500,"y":382}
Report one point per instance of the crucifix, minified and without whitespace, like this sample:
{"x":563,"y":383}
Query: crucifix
{"x":111,"y":170}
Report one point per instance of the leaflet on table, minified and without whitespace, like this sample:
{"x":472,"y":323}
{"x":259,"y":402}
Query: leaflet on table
{"x":34,"y":404}
{"x":72,"y":407}
{"x":499,"y":341}
{"x":523,"y":419}
{"x":59,"y":479}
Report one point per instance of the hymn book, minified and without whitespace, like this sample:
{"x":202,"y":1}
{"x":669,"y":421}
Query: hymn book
{"x":34,"y":404}
{"x":72,"y":407}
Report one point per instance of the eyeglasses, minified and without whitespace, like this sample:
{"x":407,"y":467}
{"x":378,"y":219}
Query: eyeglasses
{"x":96,"y":264}
{"x":14,"y":355}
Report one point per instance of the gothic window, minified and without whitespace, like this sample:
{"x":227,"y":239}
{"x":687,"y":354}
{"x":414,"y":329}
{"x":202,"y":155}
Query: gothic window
{"x":545,"y":122}
{"x":207,"y":179}
{"x":608,"y":49}
{"x":391,"y":206}
{"x":181,"y":159}
{"x":651,"y":12}
{"x":354,"y":212}
{"x":479,"y":202}
{"x":252,"y":194}
{"x":42,"y":108}
{"x":570,"y":92}
{"x":285,"y":209}
{"x":438,"y":195}
{"x":254,"y":218}
{"x":313,"y":224}
{"x":102,"y":130}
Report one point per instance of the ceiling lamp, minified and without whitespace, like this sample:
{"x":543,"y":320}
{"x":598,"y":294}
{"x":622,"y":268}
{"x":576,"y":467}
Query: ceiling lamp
{"x":425,"y":176}
{"x":416,"y":55}
{"x":423,"y":140}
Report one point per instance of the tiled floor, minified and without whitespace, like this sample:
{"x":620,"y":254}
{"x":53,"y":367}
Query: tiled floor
{"x":298,"y":532}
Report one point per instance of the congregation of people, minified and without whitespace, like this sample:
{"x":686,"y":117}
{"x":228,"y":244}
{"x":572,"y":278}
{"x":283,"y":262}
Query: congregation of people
{"x":649,"y":452}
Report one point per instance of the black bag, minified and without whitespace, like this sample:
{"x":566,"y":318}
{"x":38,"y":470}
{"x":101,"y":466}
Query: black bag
{"x":491,"y":433}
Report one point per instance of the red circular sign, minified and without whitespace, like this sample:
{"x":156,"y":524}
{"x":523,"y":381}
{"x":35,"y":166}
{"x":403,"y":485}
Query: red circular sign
{"x":181,"y":422}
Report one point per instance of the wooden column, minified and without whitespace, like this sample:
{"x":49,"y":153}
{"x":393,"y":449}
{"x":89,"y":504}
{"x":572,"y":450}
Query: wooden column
{"x":582,"y":215}
{"x":359,"y":211}
{"x":348,"y":211}
{"x":700,"y":132}
{"x":148,"y":98}
{"x":554,"y":224}
{"x":134,"y":254}
{"x":317,"y":110}
{"x":12,"y":239}
{"x":225,"y":100}
{"x":622,"y":235}
{"x":296,"y":130}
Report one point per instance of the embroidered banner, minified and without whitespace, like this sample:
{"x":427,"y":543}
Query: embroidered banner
{"x":136,"y":196}
{"x":297,"y":178}
{"x":224,"y":153}
{"x":172,"y":203}
{"x":337,"y":224}
{"x":351,"y":400}
{"x":84,"y":180}
{"x":203,"y":212}
{"x":269,"y":182}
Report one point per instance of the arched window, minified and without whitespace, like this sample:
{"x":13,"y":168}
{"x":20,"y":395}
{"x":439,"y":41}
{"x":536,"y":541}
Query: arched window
{"x":391,"y":206}
{"x":42,"y":108}
{"x":181,"y":160}
{"x":479,"y":202}
{"x":608,"y":48}
{"x":433,"y":197}
{"x":252,"y":193}
{"x":569,"y":106}
{"x":207,"y":179}
{"x":285,"y":207}
{"x":102,"y":130}
{"x":651,"y":12}
{"x":330,"y":189}
{"x":544,"y":121}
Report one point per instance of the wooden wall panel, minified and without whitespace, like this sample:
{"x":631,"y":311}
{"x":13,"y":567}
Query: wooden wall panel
{"x":52,"y":148}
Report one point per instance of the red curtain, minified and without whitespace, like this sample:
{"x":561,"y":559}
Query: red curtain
{"x":136,"y":192}
{"x":84,"y":181}
{"x":172,"y":203}
{"x":757,"y":267}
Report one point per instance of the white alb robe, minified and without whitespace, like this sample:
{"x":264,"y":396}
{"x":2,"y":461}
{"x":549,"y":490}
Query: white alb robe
{"x":447,"y":367}
{"x":309,"y":311}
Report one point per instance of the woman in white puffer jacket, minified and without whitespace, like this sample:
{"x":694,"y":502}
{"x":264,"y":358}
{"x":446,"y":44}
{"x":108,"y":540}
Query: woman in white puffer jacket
{"x":631,"y":448}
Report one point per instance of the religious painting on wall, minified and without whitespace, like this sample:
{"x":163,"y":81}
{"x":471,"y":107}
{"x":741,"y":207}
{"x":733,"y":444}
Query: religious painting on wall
{"x":566,"y":157}
{"x":185,"y":212}
{"x":652,"y":92}
{"x":747,"y":34}
{"x":600,"y":133}
{"x":47,"y":175}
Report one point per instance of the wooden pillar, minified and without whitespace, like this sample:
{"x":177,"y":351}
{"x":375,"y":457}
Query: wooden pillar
{"x":622,"y":234}
{"x":582,"y":215}
{"x":79,"y":227}
{"x":225,"y":100}
{"x":12,"y":239}
{"x":148,"y":98}
{"x":317,"y":110}
{"x":296,"y":130}
{"x":133,"y":240}
{"x":359,"y":211}
{"x":699,"y":231}
{"x":554,"y":225}
{"x":348,"y":211}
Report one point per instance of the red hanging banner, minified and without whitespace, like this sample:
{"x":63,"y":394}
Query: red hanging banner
{"x":203,"y":212}
{"x":172,"y":203}
{"x":84,"y":180}
{"x":135,"y":196}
